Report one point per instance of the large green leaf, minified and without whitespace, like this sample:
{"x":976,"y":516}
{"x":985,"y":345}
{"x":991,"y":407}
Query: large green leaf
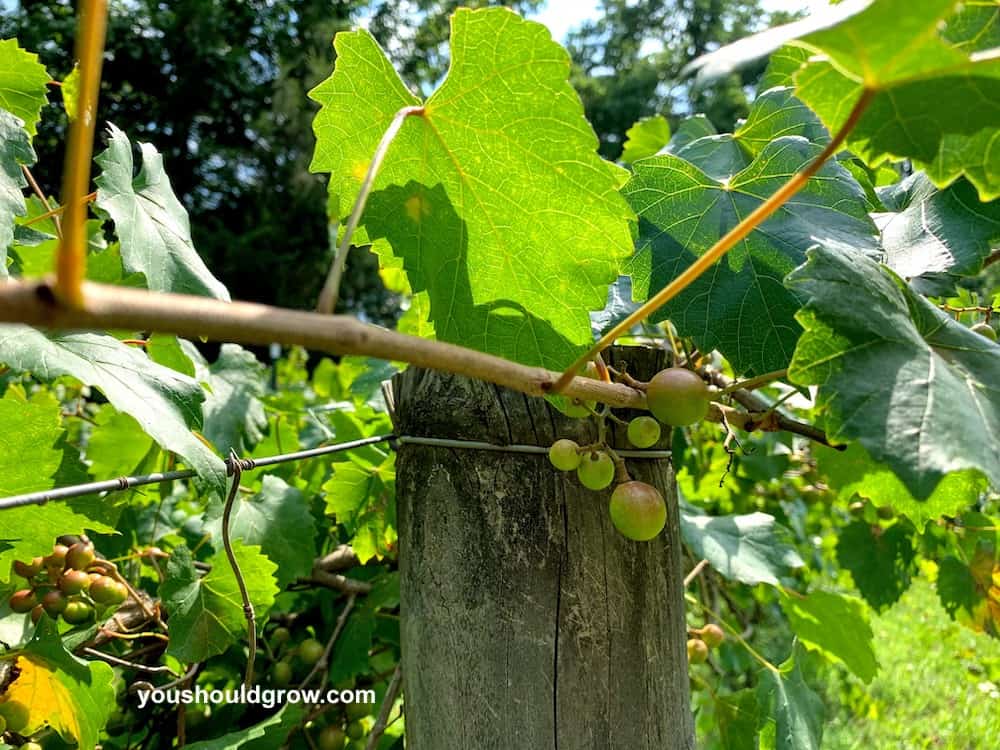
{"x":918,"y":390}
{"x":912,"y":53}
{"x":852,"y":472}
{"x":206,"y":613}
{"x":34,"y":456}
{"x":797,"y":709}
{"x":23,"y":82}
{"x":276,"y":519}
{"x":742,"y":307}
{"x":749,"y":548}
{"x":234,"y":413}
{"x":72,"y":696}
{"x":932,"y":237}
{"x":362,"y":497}
{"x":493,"y":196}
{"x":835,"y":625}
{"x":15,"y":150}
{"x":166,"y":403}
{"x":151,"y":223}
{"x":880,"y":561}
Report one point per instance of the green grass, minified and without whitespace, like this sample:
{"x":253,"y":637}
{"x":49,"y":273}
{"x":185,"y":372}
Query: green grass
{"x":927,"y":693}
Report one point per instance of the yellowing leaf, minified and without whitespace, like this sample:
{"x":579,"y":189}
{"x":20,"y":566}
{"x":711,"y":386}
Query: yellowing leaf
{"x":46,"y":699}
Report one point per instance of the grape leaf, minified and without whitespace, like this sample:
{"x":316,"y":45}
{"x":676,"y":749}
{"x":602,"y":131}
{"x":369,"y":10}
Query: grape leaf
{"x":151,"y":223}
{"x":797,"y":709}
{"x":72,"y":696}
{"x":166,"y":403}
{"x":265,"y":735}
{"x":362,"y":497}
{"x":117,"y":444}
{"x":742,"y":308}
{"x":15,"y":150}
{"x":776,"y":113}
{"x":836,"y":626}
{"x":911,"y":53}
{"x":853,"y":473}
{"x":933,"y":237}
{"x":880,"y":561}
{"x":512,"y":265}
{"x":350,"y":653}
{"x":918,"y":390}
{"x":964,"y":598}
{"x":276,"y":519}
{"x":34,"y":456}
{"x":645,"y":138}
{"x":206,"y":613}
{"x":736,"y":715}
{"x":747,"y":548}
{"x":23,"y":84}
{"x":234,"y":413}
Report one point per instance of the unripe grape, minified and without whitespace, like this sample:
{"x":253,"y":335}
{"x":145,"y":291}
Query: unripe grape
{"x":637,"y":510}
{"x":310,"y":651}
{"x":355,"y":730}
{"x":77,"y":612}
{"x":108,"y":591}
{"x":28,"y":570}
{"x":54,"y":603}
{"x":697,"y":651}
{"x":712,"y":635}
{"x":331,"y":738}
{"x":596,"y":470}
{"x":73,"y":582}
{"x":280,"y":635}
{"x":985,"y":330}
{"x":56,"y":560}
{"x":80,"y":555}
{"x":15,"y":714}
{"x":281,"y":673}
{"x":677,"y":397}
{"x":564,"y":454}
{"x":643,"y":432}
{"x":23,"y":601}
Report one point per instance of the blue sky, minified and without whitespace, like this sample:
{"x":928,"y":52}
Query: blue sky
{"x":562,"y":15}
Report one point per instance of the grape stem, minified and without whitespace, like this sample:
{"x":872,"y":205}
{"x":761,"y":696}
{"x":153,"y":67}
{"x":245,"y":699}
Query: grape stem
{"x":234,"y":564}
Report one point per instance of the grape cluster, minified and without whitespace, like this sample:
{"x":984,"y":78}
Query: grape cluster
{"x":61,"y":585}
{"x":705,"y":638}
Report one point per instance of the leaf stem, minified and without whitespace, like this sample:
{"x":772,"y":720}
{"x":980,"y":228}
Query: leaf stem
{"x":751,"y":384}
{"x":71,"y":261}
{"x":331,"y":287}
{"x":724,"y":245}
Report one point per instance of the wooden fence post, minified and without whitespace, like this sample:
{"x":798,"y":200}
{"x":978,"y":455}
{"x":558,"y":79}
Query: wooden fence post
{"x":527,"y":620}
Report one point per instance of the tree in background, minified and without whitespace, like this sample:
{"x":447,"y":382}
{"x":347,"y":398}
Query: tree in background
{"x":628,"y":62}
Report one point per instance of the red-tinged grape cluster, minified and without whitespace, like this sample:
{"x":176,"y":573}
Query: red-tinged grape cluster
{"x":703,"y":639}
{"x":61,"y":584}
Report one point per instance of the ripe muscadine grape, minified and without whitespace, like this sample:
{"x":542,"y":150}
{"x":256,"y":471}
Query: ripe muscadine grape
{"x":643,"y":432}
{"x":23,"y":601}
{"x":677,"y":397}
{"x":697,"y":651}
{"x":596,"y":470}
{"x":80,"y":555}
{"x":712,"y":635}
{"x":564,"y":454}
{"x":637,"y":510}
{"x":108,"y":591}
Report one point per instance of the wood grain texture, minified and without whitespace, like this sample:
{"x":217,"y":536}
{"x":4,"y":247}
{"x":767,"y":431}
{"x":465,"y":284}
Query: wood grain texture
{"x":527,"y":620}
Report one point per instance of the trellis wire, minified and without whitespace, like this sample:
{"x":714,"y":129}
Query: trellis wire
{"x":125,"y":483}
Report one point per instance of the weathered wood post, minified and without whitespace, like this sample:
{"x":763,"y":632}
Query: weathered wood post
{"x":527,"y":620}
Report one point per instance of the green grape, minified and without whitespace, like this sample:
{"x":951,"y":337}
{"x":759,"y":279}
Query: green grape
{"x":331,"y":738}
{"x":564,"y":454}
{"x":643,"y":432}
{"x":355,"y":730}
{"x":356,"y":710}
{"x":677,"y":397}
{"x":697,"y":651}
{"x":596,"y":470}
{"x":108,"y":591}
{"x":77,"y":612}
{"x":310,"y":651}
{"x":637,"y":510}
{"x":985,"y":330}
{"x":280,"y":635}
{"x":281,"y":673}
